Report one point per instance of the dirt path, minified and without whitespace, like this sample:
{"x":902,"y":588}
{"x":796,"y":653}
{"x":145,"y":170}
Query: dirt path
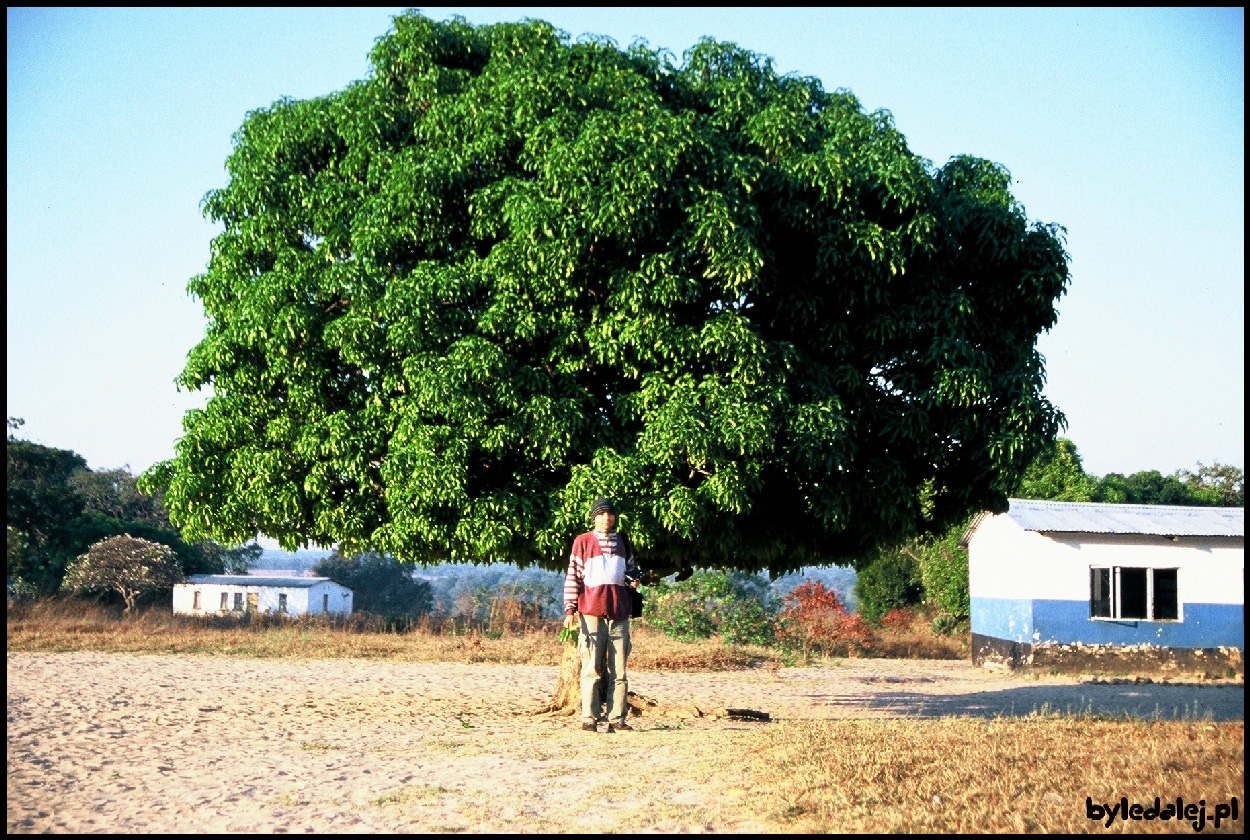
{"x":118,"y":742}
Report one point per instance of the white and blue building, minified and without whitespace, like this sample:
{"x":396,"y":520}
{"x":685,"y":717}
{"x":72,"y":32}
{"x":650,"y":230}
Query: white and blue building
{"x":1078,"y":587}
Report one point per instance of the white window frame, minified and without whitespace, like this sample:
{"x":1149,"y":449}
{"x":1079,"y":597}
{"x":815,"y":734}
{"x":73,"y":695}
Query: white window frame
{"x":1116,"y":594}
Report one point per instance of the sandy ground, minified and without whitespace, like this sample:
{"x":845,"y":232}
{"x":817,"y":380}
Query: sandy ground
{"x":135,"y":743}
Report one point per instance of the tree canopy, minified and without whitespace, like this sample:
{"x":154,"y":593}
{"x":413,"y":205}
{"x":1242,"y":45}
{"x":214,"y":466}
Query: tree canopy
{"x":508,"y":272}
{"x":41,"y":507}
{"x":127,"y":565}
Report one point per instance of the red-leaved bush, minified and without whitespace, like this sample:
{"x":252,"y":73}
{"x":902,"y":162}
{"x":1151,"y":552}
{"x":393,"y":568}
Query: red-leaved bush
{"x":814,"y":619}
{"x":899,"y":618}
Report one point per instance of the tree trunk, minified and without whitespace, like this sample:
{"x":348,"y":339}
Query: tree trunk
{"x":566,"y":699}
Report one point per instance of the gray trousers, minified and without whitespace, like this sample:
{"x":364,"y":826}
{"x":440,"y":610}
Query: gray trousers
{"x":604,"y":646}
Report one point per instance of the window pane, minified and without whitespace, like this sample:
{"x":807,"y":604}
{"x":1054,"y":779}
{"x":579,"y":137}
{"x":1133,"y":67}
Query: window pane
{"x":1099,"y":593}
{"x":1166,"y":602}
{"x":1132,"y":593}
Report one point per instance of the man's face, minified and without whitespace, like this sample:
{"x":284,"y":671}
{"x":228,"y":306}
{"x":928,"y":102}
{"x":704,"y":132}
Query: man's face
{"x":605,"y":522}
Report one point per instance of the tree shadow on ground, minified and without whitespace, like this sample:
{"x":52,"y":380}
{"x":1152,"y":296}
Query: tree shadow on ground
{"x":1147,"y":701}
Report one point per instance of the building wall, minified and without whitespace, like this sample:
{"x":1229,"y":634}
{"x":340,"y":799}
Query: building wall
{"x":1030,"y":591}
{"x":300,"y":599}
{"x":341,"y":598}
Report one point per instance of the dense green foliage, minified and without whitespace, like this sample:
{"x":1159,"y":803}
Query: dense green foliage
{"x":1219,"y":485}
{"x":1059,"y":475}
{"x":57,"y":508}
{"x":506,"y":273}
{"x":709,"y":602}
{"x":380,"y":584}
{"x":42,"y":509}
{"x":890,"y":581}
{"x":944,"y":574}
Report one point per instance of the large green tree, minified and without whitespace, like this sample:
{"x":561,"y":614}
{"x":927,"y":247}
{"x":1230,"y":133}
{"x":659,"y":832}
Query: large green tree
{"x":507,"y":272}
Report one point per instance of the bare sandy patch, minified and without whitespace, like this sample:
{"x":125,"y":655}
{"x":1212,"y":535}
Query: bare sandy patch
{"x":101,"y":742}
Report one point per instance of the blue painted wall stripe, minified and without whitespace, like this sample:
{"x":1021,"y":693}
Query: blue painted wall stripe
{"x":1068,"y":622}
{"x":1003,"y":618}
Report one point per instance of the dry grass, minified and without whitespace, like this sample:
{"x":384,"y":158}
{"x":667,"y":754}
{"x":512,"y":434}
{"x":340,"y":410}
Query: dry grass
{"x":61,"y":625}
{"x":992,"y":776}
{"x":915,"y":639}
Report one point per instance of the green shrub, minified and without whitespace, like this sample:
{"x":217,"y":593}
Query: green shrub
{"x":708,"y":602}
{"x":890,"y":581}
{"x":748,"y":622}
{"x":944,"y":574}
{"x":682,"y":616}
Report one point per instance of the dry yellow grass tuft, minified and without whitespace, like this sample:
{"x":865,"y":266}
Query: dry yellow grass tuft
{"x":992,"y":776}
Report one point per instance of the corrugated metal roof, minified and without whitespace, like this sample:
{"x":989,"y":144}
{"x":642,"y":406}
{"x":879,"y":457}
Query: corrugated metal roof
{"x":256,"y":580}
{"x":1156,"y":520}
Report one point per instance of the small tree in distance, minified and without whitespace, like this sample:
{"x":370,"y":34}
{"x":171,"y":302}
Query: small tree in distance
{"x":380,"y":583}
{"x":126,"y":565}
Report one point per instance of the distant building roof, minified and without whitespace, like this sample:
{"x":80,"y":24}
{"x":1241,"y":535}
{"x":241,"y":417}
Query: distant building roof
{"x":255,"y":580}
{"x":1153,"y":520}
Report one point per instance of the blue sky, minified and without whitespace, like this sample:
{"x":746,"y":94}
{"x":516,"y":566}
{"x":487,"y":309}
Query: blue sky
{"x":1125,"y":126}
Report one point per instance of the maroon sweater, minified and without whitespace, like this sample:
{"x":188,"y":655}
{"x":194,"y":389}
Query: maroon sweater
{"x":595,"y":582}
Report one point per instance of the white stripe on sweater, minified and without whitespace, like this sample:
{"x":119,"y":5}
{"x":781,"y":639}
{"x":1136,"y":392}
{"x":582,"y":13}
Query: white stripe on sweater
{"x":604,"y":570}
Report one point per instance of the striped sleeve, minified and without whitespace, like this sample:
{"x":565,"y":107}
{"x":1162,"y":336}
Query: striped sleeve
{"x":573,"y":581}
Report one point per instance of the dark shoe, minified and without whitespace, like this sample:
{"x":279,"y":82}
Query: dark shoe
{"x":590,"y":727}
{"x":620,"y":727}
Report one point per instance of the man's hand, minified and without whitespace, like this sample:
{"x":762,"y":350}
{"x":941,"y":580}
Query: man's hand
{"x":570,"y":621}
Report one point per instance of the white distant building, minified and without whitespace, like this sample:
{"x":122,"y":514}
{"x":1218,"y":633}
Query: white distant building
{"x":1099,"y":587}
{"x":226,"y":594}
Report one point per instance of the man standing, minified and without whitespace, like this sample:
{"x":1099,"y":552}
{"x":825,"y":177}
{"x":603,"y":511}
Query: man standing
{"x":601,"y":571}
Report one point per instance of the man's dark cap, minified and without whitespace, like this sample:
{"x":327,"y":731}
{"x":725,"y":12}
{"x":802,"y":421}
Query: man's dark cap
{"x":602,"y":505}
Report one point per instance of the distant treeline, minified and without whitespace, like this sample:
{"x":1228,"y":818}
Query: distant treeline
{"x":1059,"y":476}
{"x":454,"y":586}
